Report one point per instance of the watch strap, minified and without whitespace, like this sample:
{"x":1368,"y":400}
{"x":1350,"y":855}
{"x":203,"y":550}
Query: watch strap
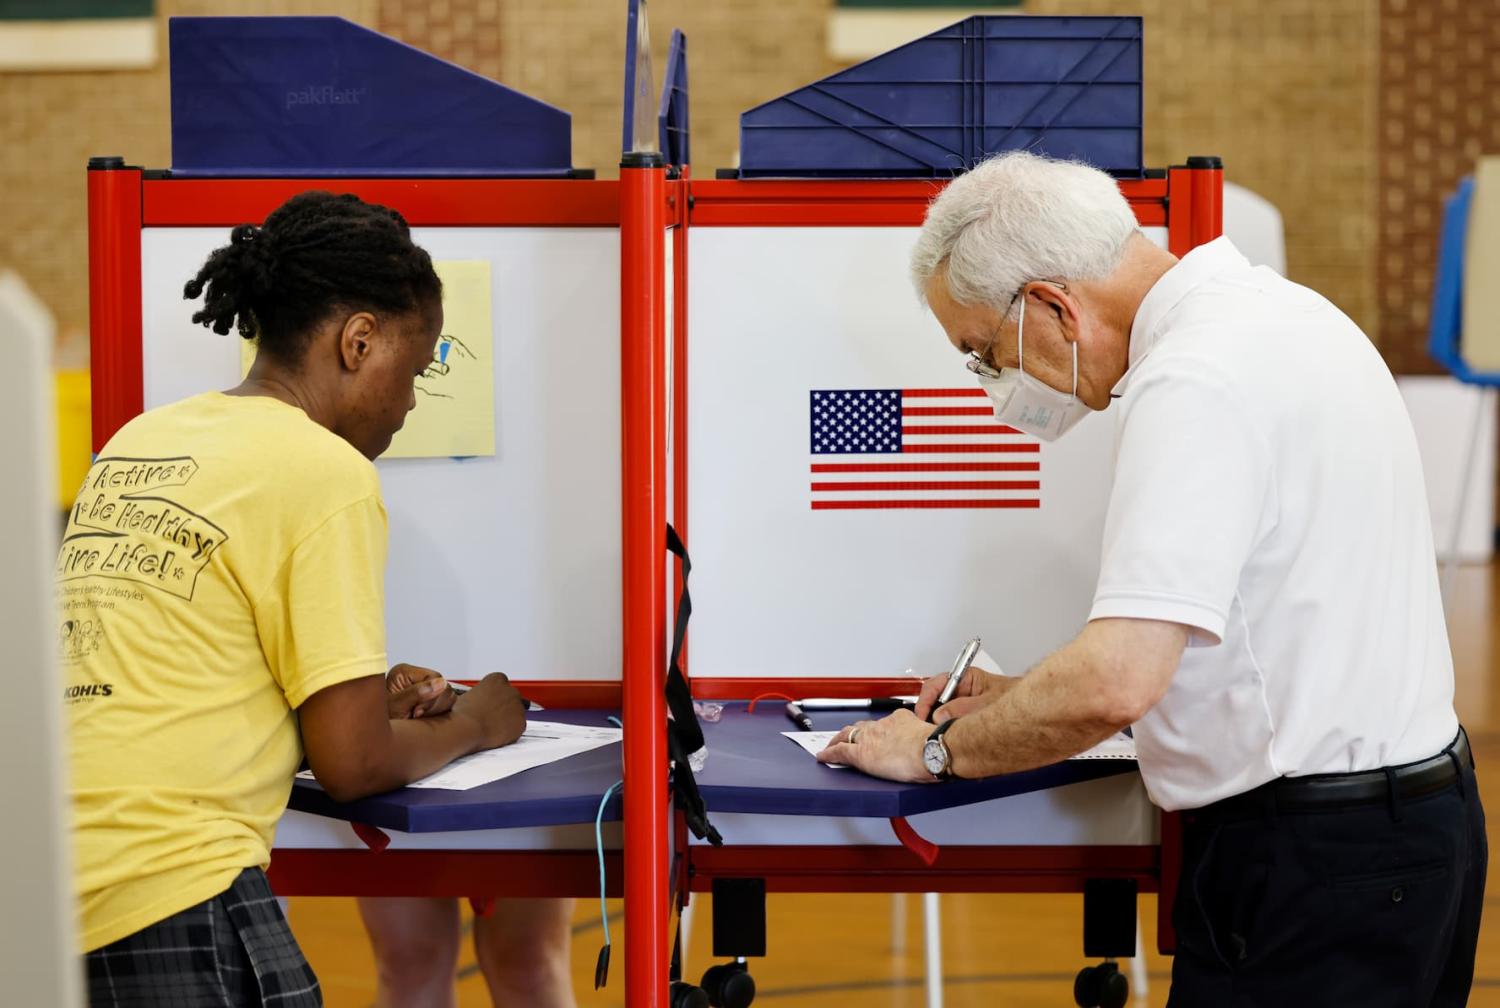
{"x":938,"y":731}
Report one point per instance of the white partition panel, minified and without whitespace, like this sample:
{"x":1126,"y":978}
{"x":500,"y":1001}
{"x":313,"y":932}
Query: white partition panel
{"x":39,"y":962}
{"x":782,"y":589}
{"x":507,"y":563}
{"x":1455,"y":425}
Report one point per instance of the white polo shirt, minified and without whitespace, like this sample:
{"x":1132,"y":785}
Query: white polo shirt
{"x":1269,"y":495}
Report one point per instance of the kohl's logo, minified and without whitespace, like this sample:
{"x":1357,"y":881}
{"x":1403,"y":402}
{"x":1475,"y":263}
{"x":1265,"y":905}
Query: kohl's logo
{"x":324,"y":94}
{"x":87,"y":691}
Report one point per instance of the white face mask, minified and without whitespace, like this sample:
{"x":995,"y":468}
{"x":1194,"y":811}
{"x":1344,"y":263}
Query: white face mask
{"x":1029,"y":405}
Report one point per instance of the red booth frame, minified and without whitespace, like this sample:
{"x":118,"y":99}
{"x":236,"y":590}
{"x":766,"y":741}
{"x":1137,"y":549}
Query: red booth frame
{"x":657,"y":868}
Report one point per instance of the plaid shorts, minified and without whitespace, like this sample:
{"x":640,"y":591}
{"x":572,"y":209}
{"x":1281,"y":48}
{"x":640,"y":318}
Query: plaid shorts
{"x":232,"y":950}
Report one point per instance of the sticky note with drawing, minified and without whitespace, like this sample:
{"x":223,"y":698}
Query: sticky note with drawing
{"x":455,"y":414}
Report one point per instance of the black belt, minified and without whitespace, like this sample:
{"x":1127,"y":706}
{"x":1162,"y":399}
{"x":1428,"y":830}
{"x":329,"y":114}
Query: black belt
{"x":1366,"y":787}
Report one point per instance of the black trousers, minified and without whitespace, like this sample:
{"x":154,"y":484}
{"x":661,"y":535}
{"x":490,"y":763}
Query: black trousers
{"x":1366,"y":906}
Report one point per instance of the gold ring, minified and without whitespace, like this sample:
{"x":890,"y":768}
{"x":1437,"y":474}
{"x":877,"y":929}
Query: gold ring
{"x":852,"y":732}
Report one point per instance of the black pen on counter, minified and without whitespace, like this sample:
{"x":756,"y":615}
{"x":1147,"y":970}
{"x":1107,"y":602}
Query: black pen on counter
{"x":801,"y":720}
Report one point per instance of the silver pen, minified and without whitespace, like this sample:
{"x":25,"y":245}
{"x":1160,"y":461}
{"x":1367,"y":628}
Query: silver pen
{"x":875,"y":705}
{"x":960,"y":664}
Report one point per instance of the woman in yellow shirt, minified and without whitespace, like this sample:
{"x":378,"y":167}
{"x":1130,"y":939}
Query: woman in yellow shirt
{"x":221,"y":600}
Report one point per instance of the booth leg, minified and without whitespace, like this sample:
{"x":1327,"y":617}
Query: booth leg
{"x":1110,"y":931}
{"x":932,"y":929}
{"x":739,"y":930}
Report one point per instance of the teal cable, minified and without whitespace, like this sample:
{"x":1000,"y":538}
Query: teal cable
{"x":601,"y":970}
{"x":599,"y":848}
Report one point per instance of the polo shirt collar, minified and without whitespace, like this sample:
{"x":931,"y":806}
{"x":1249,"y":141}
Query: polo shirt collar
{"x":1201,"y":264}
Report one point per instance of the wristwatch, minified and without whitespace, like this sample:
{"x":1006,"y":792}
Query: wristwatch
{"x":935,"y":755}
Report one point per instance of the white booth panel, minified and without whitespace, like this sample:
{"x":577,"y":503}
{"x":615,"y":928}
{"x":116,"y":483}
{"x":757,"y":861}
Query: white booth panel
{"x":508,"y":562}
{"x":39,"y":931}
{"x":1457,"y":457}
{"x":782,"y":589}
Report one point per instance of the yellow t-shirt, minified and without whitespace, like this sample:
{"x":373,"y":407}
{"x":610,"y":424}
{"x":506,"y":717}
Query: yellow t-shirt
{"x":223,"y":562}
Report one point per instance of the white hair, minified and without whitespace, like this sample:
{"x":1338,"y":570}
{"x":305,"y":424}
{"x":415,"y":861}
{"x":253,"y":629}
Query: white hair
{"x":1019,"y":217}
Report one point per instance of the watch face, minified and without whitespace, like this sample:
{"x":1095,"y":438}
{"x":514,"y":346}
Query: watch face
{"x":934,"y":757}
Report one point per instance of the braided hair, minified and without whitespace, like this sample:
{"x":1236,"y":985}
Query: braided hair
{"x":315,"y":253}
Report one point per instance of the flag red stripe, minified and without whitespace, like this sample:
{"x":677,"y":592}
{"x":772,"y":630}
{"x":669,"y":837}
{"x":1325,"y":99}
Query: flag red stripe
{"x":855,"y":467}
{"x":943,"y":393}
{"x":926,"y":485}
{"x":870,"y":505}
{"x":946,"y":411}
{"x":957,"y":429}
{"x":933,"y":449}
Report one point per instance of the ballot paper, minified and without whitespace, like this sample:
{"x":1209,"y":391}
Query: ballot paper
{"x":814,"y":742}
{"x":1119,"y":746}
{"x":541,"y":743}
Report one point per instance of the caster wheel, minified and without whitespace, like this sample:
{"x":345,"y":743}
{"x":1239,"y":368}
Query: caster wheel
{"x":685,"y":995}
{"x":1102,"y":986}
{"x":1088,"y":986}
{"x":1116,"y":991}
{"x":729,"y":985}
{"x":737,"y":992}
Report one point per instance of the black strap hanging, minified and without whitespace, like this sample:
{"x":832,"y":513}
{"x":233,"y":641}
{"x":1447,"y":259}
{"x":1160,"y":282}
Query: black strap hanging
{"x":684,"y":734}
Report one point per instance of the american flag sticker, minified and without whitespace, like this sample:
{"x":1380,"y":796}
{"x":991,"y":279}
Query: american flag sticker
{"x":917,"y":448}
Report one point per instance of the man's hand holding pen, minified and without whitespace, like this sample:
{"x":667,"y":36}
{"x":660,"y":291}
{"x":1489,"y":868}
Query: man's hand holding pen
{"x":975,"y":689}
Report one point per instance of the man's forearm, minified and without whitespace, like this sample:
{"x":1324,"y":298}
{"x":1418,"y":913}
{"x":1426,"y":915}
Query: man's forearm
{"x":1063,"y":706}
{"x":1108,"y":677}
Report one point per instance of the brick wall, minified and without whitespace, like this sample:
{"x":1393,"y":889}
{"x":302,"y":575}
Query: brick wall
{"x":1439,"y":110}
{"x":51,"y":123}
{"x":1284,"y":92}
{"x":1352,"y":116}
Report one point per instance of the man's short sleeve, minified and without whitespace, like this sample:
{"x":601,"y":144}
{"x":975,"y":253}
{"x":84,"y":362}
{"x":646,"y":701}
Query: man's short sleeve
{"x":322,"y":620}
{"x":1193,"y":485}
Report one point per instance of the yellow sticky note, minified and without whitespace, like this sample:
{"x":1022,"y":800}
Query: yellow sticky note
{"x":455,"y":413}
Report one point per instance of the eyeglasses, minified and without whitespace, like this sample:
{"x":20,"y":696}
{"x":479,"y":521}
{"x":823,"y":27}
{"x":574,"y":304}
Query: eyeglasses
{"x":977,"y":363}
{"x":979,"y":360}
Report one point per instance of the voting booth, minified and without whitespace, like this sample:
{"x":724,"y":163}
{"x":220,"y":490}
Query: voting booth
{"x":505,"y":536}
{"x":529,"y":535}
{"x":828,"y":573}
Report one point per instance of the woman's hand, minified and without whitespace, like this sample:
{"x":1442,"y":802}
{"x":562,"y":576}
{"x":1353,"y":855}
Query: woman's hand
{"x":496,"y":708}
{"x":412,"y":691}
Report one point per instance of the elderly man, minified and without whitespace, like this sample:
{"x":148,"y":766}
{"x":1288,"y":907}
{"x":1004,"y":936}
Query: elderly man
{"x":1267,"y":614}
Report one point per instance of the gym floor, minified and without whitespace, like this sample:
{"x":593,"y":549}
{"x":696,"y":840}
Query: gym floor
{"x":1019,"y":951}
